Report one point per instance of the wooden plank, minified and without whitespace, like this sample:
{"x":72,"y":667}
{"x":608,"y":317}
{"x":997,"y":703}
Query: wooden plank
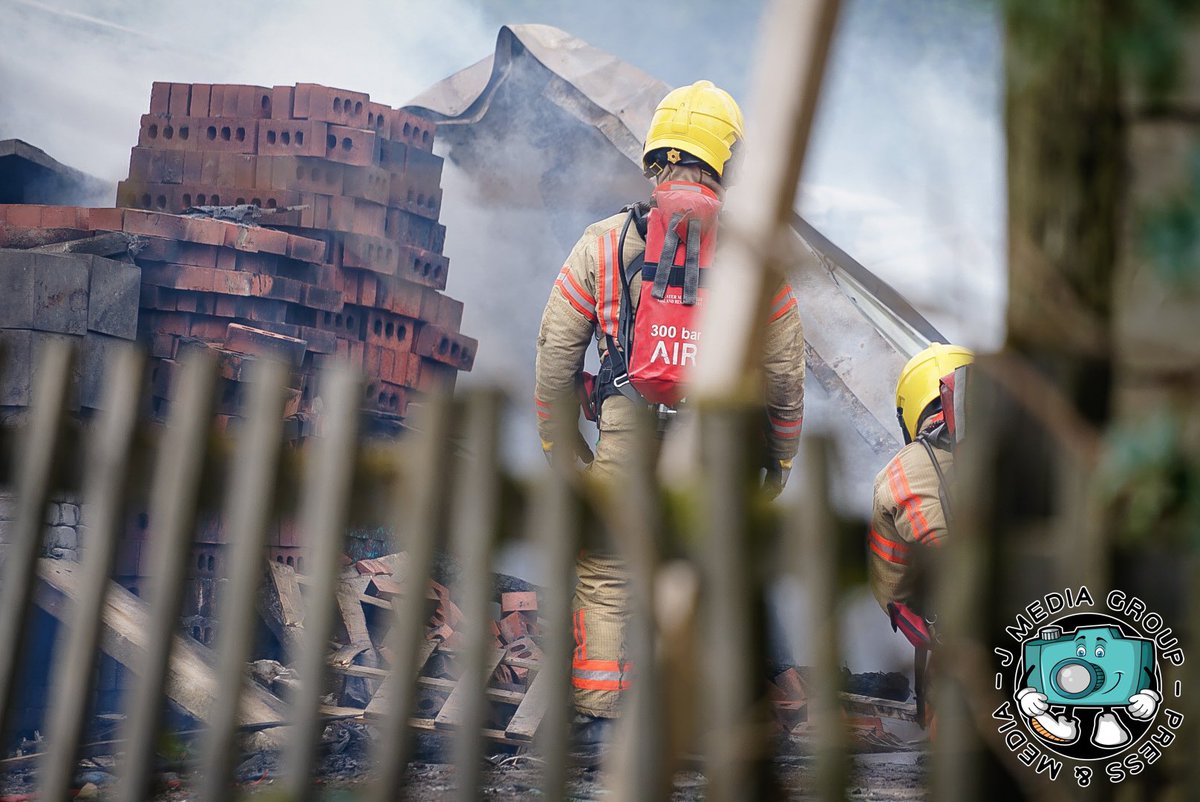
{"x":354,"y":620}
{"x":374,"y":601}
{"x":380,"y":705}
{"x":282,"y":607}
{"x":109,"y":244}
{"x":191,"y":682}
{"x":433,"y":683}
{"x":487,"y":732}
{"x":884,"y":708}
{"x":509,"y":660}
{"x":525,"y":721}
{"x":451,"y":713}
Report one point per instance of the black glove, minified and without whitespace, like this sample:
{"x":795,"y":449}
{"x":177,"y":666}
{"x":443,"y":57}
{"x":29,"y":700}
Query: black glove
{"x":579,"y":446}
{"x":776,"y":476}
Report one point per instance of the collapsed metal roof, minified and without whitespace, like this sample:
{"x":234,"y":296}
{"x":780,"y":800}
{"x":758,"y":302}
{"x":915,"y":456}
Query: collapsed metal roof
{"x":30,"y":175}
{"x":551,"y":124}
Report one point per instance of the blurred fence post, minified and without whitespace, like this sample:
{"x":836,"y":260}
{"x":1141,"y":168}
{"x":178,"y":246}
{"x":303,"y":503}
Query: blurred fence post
{"x":641,"y":768}
{"x":556,"y":530}
{"x":172,"y":514}
{"x":814,"y":531}
{"x":425,"y":463}
{"x":795,"y":38}
{"x":251,"y":491}
{"x":104,"y":495}
{"x":474,"y":523}
{"x":328,"y":476}
{"x":731,"y":734}
{"x":39,"y":449}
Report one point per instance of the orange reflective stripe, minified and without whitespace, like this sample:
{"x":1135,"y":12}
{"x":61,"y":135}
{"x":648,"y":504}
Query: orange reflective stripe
{"x":598,"y":684}
{"x":583,"y":294}
{"x":907,"y":501}
{"x":607,"y":279}
{"x":600,"y":675}
{"x":596,"y":665}
{"x":782,"y":302}
{"x":574,"y":300}
{"x":890,"y":550}
{"x":786,"y":429}
{"x":543,"y":408}
{"x":890,"y":558}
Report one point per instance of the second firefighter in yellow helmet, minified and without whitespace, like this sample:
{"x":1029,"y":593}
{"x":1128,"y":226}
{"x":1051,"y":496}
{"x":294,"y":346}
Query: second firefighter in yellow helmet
{"x":917,"y":386}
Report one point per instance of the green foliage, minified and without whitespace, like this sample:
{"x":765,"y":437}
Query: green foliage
{"x":1169,"y":233}
{"x":1144,"y":39}
{"x":1150,"y":483}
{"x":1148,"y":41}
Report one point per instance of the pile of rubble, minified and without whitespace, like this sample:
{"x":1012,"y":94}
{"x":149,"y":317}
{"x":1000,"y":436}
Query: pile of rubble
{"x":360,"y":660}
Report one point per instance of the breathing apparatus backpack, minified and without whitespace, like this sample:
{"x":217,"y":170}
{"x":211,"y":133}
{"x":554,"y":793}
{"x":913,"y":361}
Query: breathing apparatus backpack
{"x":655,"y":348}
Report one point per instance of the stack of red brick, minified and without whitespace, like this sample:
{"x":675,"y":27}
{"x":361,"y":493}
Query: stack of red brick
{"x":368,"y":186}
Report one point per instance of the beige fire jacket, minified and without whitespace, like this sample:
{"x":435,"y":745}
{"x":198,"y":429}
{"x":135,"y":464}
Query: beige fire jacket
{"x":907,"y":517}
{"x":585,"y":303}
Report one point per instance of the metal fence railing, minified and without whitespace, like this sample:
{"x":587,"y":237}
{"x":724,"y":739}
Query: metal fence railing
{"x":432,"y":497}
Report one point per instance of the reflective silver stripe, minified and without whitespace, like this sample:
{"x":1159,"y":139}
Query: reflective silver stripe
{"x":883,"y":544}
{"x":608,"y":296}
{"x":778,"y":307}
{"x":570,"y":290}
{"x":786,"y":426}
{"x":687,"y":187}
{"x":601,"y":676}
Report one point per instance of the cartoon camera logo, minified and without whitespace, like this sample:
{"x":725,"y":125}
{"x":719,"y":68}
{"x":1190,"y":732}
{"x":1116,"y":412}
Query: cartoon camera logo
{"x":1092,"y":672}
{"x":1089,"y":695}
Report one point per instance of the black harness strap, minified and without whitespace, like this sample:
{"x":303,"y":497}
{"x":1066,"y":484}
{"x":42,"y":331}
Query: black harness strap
{"x":616,"y":350}
{"x":670,"y":245}
{"x":943,"y":496}
{"x":691,"y":264}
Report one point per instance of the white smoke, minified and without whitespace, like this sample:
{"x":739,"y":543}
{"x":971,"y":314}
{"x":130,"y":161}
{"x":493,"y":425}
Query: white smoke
{"x":75,"y":75}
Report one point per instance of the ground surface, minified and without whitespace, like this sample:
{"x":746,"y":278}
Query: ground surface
{"x":881,"y":773}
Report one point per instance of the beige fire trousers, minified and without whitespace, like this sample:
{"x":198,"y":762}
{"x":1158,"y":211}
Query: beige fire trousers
{"x":600,"y":667}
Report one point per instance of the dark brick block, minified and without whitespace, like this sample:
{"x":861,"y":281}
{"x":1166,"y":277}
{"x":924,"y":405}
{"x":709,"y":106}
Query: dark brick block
{"x":256,"y":342}
{"x":23,"y":350}
{"x":99,"y":350}
{"x":60,"y":295}
{"x":368,"y":183}
{"x":445,"y":346}
{"x":291,"y":138}
{"x":198,"y":105}
{"x":160,"y":98}
{"x":316,"y":102}
{"x":17,"y":272}
{"x":423,"y":267}
{"x":180,"y":98}
{"x":355,"y":146}
{"x":156,"y":166}
{"x":113,"y":290}
{"x":281,"y":102}
{"x":412,"y":130}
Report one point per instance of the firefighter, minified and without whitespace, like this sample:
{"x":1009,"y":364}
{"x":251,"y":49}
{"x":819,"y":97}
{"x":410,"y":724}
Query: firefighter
{"x":911,"y":508}
{"x":690,"y":146}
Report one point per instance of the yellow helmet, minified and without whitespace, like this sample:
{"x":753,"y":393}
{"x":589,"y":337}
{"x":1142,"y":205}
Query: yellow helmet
{"x":918,"y":385}
{"x":700,"y":119}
